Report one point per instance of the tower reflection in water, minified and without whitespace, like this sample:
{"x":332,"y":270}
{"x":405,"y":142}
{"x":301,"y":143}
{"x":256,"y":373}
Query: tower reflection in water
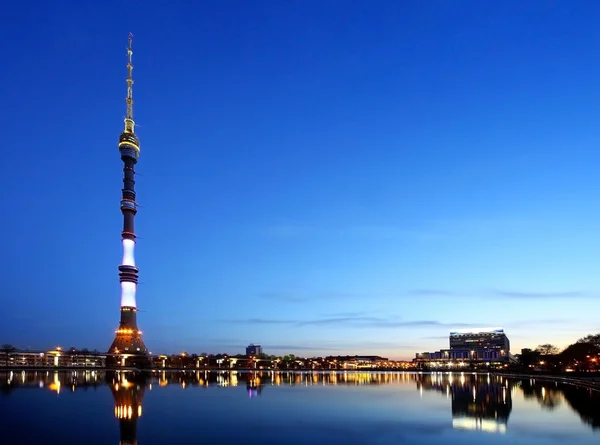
{"x":128,"y":391}
{"x":479,"y":402}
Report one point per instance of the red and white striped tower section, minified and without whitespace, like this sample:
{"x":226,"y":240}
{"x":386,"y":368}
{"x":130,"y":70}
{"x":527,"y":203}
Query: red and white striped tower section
{"x":128,"y":341}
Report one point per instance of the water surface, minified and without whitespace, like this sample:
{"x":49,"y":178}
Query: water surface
{"x":292,"y":408}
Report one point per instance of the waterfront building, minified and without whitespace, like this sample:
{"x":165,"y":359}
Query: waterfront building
{"x":56,"y":358}
{"x":483,"y":345}
{"x":253,"y":349}
{"x":357,"y":361}
{"x":128,"y":347}
{"x":488,"y":339}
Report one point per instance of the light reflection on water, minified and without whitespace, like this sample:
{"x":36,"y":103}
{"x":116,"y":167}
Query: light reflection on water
{"x":304,"y":407}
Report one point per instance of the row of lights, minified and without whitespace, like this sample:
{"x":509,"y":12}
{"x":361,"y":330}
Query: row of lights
{"x":127,"y":331}
{"x":126,"y":411}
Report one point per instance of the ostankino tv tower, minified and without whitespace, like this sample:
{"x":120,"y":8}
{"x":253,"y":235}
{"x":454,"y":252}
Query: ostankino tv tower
{"x":128,"y":341}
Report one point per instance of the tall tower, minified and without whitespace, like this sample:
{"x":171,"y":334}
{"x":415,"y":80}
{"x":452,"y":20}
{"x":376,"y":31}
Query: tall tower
{"x":128,"y":341}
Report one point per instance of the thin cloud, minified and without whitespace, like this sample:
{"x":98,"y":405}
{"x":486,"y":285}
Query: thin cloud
{"x":295,"y":297}
{"x":529,"y":323}
{"x":422,"y":324}
{"x":370,"y":345}
{"x":540,"y":295}
{"x":340,"y":320}
{"x":300,"y":348}
{"x":347,"y":314}
{"x":499,"y":293}
{"x":262,"y":321}
{"x":357,"y":322}
{"x":431,"y":293}
{"x":303,"y":297}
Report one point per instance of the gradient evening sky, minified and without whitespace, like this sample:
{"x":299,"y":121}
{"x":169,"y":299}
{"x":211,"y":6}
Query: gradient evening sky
{"x":319,"y":177}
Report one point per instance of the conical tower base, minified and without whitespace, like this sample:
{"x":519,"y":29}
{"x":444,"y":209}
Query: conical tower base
{"x":128,"y":348}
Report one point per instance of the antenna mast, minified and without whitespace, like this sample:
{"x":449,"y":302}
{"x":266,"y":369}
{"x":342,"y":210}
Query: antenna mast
{"x":129,"y":123}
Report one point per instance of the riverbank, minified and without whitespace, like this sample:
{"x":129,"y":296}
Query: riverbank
{"x":590,"y":382}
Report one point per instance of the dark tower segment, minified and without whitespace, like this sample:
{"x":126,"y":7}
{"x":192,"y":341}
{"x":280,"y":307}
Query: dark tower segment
{"x":128,"y":341}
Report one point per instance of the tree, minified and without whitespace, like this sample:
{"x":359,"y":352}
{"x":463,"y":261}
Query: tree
{"x":529,"y":357}
{"x":591,"y":339}
{"x":547,"y":349}
{"x":579,"y":353}
{"x":7,"y":349}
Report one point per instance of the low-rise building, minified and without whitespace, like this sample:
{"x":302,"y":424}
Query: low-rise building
{"x":55,"y":358}
{"x":357,"y":361}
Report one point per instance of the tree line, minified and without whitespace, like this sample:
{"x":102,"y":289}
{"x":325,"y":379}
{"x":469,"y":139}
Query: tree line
{"x":581,"y":356}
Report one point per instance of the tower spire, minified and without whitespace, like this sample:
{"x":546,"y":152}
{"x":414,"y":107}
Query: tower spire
{"x":128,"y":142}
{"x":129,"y":123}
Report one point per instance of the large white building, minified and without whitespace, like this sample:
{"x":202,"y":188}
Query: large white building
{"x":489,"y":345}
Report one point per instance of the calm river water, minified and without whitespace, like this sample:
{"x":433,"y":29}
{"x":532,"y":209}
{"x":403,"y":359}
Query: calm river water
{"x":87,"y":407}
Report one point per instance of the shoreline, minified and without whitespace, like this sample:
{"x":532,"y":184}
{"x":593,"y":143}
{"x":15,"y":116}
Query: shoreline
{"x":592,"y":381}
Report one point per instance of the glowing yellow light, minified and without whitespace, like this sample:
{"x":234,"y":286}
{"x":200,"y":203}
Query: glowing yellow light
{"x":130,"y":143}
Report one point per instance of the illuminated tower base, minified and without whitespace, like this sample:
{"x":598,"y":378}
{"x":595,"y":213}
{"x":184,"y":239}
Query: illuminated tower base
{"x":129,"y":337}
{"x":128,"y":348}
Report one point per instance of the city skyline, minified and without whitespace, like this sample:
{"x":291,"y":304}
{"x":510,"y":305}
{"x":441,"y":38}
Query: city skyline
{"x":317,"y":179}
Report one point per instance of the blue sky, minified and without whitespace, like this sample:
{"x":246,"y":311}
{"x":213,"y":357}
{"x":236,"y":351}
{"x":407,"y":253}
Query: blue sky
{"x":317,"y":177}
